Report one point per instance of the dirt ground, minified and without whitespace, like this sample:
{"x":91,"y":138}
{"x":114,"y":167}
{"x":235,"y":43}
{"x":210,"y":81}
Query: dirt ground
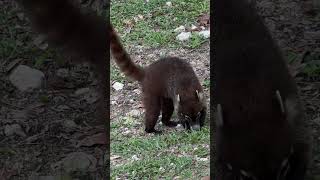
{"x":46,"y":133}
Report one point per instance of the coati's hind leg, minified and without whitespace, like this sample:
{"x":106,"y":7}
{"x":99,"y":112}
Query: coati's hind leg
{"x":167,"y":109}
{"x":152,"y":106}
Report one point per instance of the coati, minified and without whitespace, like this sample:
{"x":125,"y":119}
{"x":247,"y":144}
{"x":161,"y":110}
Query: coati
{"x":261,"y":130}
{"x":167,"y":84}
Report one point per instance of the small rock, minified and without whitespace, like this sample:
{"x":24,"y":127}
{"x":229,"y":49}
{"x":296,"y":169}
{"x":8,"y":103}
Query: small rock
{"x":135,"y":158}
{"x":180,"y":29}
{"x":183,"y":36}
{"x":127,"y":132}
{"x":140,"y":16}
{"x":77,"y":161}
{"x":169,"y":3}
{"x":81,"y":91}
{"x":14,"y":129}
{"x":114,"y":157}
{"x":161,"y":169}
{"x":193,"y":27}
{"x":179,"y":127}
{"x":63,"y":73}
{"x":117,"y":86}
{"x":69,"y":124}
{"x":205,"y":34}
{"x":137,"y":91}
{"x":202,"y":159}
{"x":25,"y":78}
{"x":135,"y":113}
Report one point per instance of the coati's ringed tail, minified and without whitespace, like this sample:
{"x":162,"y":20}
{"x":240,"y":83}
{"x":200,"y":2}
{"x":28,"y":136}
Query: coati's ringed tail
{"x":123,"y":59}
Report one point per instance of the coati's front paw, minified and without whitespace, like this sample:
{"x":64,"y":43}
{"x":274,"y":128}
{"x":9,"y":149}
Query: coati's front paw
{"x":153,"y":131}
{"x":170,"y":124}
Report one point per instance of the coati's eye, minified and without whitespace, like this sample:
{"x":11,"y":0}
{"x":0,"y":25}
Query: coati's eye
{"x":187,"y":117}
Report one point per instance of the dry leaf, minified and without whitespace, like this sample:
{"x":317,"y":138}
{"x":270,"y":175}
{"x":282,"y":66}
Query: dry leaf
{"x":99,"y":138}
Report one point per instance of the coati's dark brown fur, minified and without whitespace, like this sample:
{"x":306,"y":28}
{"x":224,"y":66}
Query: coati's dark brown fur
{"x":167,"y":83}
{"x":261,"y":131}
{"x":81,"y":35}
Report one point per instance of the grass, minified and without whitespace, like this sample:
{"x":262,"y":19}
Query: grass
{"x":152,"y":24}
{"x":171,"y":155}
{"x":311,"y":63}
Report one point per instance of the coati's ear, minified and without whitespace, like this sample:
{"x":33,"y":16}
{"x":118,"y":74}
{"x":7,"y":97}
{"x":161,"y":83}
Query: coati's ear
{"x":219,"y":118}
{"x":199,"y":95}
{"x":178,"y":98}
{"x":280,"y":101}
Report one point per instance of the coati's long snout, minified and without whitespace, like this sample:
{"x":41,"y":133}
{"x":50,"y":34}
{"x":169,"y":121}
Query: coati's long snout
{"x":192,"y":121}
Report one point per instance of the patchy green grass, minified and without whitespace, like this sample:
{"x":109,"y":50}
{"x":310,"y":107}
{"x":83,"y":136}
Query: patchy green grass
{"x":153,"y":23}
{"x":206,"y":83}
{"x":116,"y":75}
{"x":309,"y":67}
{"x":171,"y":155}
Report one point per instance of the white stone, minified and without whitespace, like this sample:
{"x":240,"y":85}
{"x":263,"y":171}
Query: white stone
{"x":169,"y":3}
{"x":70,"y":124}
{"x":135,"y":113}
{"x":135,"y":158}
{"x":184,"y":36}
{"x":180,"y":29}
{"x":137,"y":91}
{"x":193,"y":27}
{"x":179,"y":127}
{"x":25,"y":78}
{"x":117,"y":86}
{"x":205,"y":34}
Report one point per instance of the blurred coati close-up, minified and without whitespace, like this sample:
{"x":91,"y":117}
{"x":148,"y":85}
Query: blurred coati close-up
{"x":82,"y":36}
{"x":167,"y":84}
{"x":261,"y":129}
